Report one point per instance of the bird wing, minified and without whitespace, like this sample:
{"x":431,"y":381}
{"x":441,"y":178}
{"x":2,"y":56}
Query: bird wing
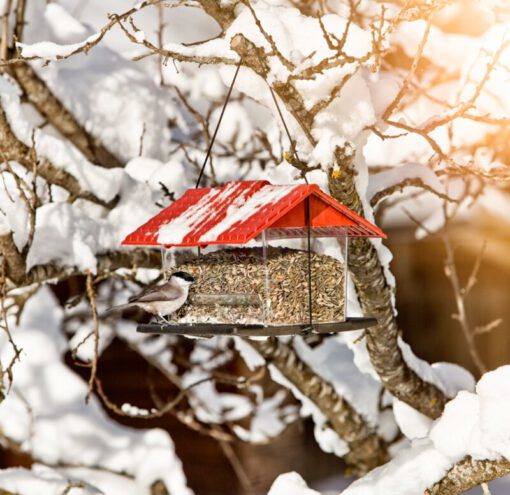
{"x":165,"y":292}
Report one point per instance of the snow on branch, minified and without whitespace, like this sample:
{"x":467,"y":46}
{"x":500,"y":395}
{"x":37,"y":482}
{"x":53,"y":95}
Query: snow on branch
{"x":383,"y":184}
{"x":48,"y":50}
{"x":42,"y":479}
{"x":467,"y":446}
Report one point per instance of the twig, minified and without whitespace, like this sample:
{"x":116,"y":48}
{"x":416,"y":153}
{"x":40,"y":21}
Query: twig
{"x":73,"y":484}
{"x":460,"y":294}
{"x":146,"y":414}
{"x":237,"y":466}
{"x":412,"y":72}
{"x":414,"y":182}
{"x":20,"y":20}
{"x":4,"y":42}
{"x":91,"y":295}
{"x":142,"y":136}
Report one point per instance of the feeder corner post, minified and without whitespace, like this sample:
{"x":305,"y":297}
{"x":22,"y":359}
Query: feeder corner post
{"x":344,"y":247}
{"x":266,"y":307}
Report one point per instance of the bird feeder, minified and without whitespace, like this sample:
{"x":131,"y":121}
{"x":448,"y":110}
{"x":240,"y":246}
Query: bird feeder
{"x":248,"y":216}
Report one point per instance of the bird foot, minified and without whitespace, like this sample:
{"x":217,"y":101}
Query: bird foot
{"x":163,"y":320}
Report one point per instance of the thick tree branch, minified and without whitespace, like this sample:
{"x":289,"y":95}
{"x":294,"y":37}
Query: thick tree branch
{"x":13,"y":260}
{"x":53,"y":272}
{"x":366,"y":269}
{"x":13,"y":149}
{"x":375,"y":296}
{"x":469,"y":473}
{"x":367,"y":450}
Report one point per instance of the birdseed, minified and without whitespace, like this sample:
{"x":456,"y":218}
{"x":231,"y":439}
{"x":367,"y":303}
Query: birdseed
{"x":242,"y":271}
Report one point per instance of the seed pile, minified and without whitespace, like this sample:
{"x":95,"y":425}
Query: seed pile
{"x":242,"y":271}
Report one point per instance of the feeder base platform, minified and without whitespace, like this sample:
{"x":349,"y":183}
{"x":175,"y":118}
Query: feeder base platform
{"x":256,"y":330}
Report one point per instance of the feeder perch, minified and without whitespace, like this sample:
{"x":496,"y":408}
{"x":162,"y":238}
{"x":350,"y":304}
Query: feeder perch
{"x":252,"y":288}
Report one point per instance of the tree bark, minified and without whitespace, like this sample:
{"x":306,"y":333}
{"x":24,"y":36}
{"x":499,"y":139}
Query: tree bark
{"x":375,"y":296}
{"x":469,"y":473}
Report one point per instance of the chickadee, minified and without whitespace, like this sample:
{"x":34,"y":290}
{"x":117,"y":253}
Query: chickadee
{"x":162,"y":300}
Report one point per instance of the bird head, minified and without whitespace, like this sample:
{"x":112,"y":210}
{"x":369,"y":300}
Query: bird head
{"x":184,"y":279}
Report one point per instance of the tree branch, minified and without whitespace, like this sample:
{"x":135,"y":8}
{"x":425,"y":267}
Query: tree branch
{"x":375,"y":296}
{"x":367,"y":450}
{"x":13,"y":149}
{"x":106,"y":262}
{"x":469,"y":473}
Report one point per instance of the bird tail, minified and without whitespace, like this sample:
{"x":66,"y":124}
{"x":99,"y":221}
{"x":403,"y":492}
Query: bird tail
{"x":119,"y":308}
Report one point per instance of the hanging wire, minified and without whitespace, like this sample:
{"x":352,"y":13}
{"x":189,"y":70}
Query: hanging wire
{"x":208,"y":154}
{"x":292,"y":145}
{"x":307,"y":211}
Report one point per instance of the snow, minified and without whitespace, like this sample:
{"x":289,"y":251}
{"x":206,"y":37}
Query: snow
{"x":72,"y":234}
{"x":412,"y":471}
{"x":102,"y":182}
{"x":295,"y":35}
{"x":473,"y":424}
{"x":290,"y":483}
{"x":334,"y":362}
{"x":82,"y":341}
{"x":59,"y":427}
{"x":250,"y":356}
{"x":51,"y":51}
{"x":111,"y":97}
{"x":14,"y":213}
{"x":454,"y":48}
{"x":153,"y":172}
{"x":173,"y":232}
{"x":241,"y":208}
{"x":448,"y":377}
{"x":411,"y":422}
{"x":66,"y":27}
{"x":42,"y":479}
{"x":269,"y":418}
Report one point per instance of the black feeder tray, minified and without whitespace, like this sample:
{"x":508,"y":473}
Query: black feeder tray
{"x":206,"y":330}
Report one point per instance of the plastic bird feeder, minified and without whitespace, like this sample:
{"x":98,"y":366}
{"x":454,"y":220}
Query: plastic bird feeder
{"x":254,"y":212}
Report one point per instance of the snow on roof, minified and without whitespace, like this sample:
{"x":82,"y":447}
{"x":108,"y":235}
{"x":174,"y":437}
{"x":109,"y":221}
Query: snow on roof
{"x":239,"y":211}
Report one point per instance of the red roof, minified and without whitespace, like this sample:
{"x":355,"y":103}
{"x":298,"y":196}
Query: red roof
{"x":239,"y":211}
